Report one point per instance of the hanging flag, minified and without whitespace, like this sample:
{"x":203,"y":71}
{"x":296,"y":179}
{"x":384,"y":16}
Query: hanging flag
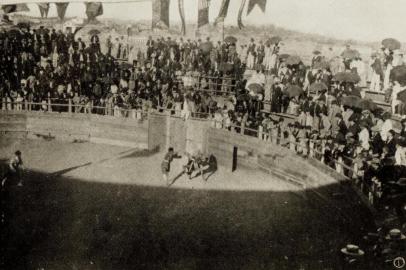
{"x":223,"y":12}
{"x":43,"y":9}
{"x":61,"y":9}
{"x":160,"y":13}
{"x":14,"y":8}
{"x":239,"y":19}
{"x":181,"y":7}
{"x":93,"y":9}
{"x":252,"y":3}
{"x":203,"y":12}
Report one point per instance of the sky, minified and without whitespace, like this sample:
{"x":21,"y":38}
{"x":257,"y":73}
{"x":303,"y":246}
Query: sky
{"x":365,"y":20}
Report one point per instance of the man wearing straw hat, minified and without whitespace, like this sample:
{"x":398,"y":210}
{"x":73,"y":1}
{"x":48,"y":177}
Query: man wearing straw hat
{"x":352,"y":256}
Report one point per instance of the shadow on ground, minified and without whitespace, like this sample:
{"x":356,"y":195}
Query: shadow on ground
{"x":62,"y":223}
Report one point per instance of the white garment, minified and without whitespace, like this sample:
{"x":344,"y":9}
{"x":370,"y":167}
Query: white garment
{"x":363,"y":137}
{"x":386,"y":78}
{"x":386,"y":126}
{"x":400,"y":157}
{"x":375,"y":85}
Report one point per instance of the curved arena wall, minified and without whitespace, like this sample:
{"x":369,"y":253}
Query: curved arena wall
{"x":74,"y":127}
{"x":161,"y":131}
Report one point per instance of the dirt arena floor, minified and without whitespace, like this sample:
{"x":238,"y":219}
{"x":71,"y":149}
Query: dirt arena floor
{"x":87,"y":206}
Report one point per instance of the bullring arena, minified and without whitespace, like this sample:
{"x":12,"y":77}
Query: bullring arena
{"x":94,"y":198}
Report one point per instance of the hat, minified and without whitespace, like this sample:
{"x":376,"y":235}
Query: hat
{"x":18,"y":153}
{"x":339,"y":115}
{"x":395,"y":234}
{"x":352,"y":250}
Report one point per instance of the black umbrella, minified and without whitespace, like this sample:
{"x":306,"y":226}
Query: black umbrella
{"x":402,"y":96}
{"x":206,"y":47}
{"x":283,"y":56}
{"x":351,"y":101}
{"x":230,"y":39}
{"x":293,"y":60}
{"x":318,"y":86}
{"x":398,"y":74}
{"x":94,"y":32}
{"x":23,"y":25}
{"x":14,"y":32}
{"x":256,"y":88}
{"x":321,"y":64}
{"x":391,"y":44}
{"x":273,"y":40}
{"x":349,"y":77}
{"x":350,"y":54}
{"x":294,"y":91}
{"x":367,"y":104}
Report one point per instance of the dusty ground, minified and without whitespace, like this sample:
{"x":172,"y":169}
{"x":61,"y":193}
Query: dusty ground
{"x":86,"y":206}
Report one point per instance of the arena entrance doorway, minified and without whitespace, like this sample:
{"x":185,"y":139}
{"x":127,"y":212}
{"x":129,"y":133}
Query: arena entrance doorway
{"x":235,"y":159}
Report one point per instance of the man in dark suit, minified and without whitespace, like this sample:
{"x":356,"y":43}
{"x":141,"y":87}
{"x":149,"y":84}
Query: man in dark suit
{"x":391,"y":143}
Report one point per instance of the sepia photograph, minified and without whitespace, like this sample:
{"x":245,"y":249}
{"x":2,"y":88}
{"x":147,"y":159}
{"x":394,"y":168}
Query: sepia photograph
{"x":202,"y":135}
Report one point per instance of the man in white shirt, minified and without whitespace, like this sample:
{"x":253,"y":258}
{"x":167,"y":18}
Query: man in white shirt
{"x":386,"y":127}
{"x":363,"y":136}
{"x":400,"y":155}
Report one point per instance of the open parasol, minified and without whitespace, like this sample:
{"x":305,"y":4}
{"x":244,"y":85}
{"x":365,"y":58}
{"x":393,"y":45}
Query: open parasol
{"x":255,"y":88}
{"x":283,"y":56}
{"x":391,"y":44}
{"x":293,"y":60}
{"x":350,"y":54}
{"x":366,"y":104}
{"x":347,"y":77}
{"x":318,"y":86}
{"x":273,"y":40}
{"x":206,"y":47}
{"x":22,"y":25}
{"x":14,"y":32}
{"x":94,"y":32}
{"x":351,"y":101}
{"x":402,"y":96}
{"x":398,"y":74}
{"x":321,"y":64}
{"x":294,"y":91}
{"x":230,"y":39}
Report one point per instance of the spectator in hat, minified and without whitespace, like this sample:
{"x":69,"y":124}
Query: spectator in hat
{"x":340,"y":127}
{"x":352,"y":257}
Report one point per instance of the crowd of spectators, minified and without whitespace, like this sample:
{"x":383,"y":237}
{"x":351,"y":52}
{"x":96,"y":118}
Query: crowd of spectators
{"x":239,"y":88}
